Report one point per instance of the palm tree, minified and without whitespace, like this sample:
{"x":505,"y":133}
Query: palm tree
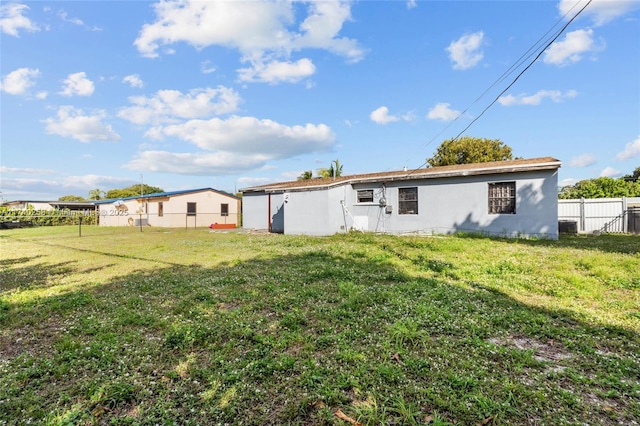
{"x":306,"y":175}
{"x":334,"y":170}
{"x":96,"y":194}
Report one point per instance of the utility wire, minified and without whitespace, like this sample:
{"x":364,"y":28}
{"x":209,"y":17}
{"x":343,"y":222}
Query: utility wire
{"x":520,"y":60}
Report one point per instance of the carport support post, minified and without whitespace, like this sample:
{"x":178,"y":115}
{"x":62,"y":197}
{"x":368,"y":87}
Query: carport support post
{"x":80,"y":226}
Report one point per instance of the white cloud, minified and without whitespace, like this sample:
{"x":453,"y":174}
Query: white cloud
{"x":42,"y":95}
{"x":19,"y":81}
{"x":65,"y":17}
{"x":77,"y":185}
{"x":12,"y":20}
{"x":465,"y":52}
{"x":166,"y":106}
{"x":600,"y":11}
{"x":412,"y":4}
{"x":277,"y":71}
{"x":71,"y":122}
{"x":571,"y":49}
{"x":249,"y":135}
{"x":231,"y":146}
{"x":583,"y":160}
{"x":610,"y":172}
{"x":441,"y":111}
{"x":134,"y":80}
{"x":77,"y":84}
{"x":201,"y":164}
{"x":382,"y":116}
{"x":248,"y":181}
{"x":206,"y":67}
{"x":28,"y":171}
{"x":537,"y":98}
{"x":263,"y":32}
{"x":632,"y":149}
{"x":567,"y":182}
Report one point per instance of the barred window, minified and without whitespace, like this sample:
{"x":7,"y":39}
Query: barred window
{"x":160,"y":209}
{"x":191,"y":209}
{"x":365,"y":196}
{"x":224,"y":209}
{"x":408,"y":200}
{"x":502,"y":198}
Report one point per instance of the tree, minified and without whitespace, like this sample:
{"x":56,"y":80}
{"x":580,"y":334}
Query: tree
{"x":602,"y":187}
{"x":306,"y":175}
{"x":633,"y":177}
{"x":72,"y":198}
{"x":96,"y":194}
{"x":133,"y":191}
{"x":334,"y":170}
{"x":467,"y":149}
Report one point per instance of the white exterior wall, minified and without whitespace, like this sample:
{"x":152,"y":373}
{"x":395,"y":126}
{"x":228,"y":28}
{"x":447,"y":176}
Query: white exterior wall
{"x":445,"y":205}
{"x":208,"y":211}
{"x":315,"y":212}
{"x":255,"y":211}
{"x":461,"y":204}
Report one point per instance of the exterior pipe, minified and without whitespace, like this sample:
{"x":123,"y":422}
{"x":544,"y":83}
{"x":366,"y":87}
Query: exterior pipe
{"x":269,"y":213}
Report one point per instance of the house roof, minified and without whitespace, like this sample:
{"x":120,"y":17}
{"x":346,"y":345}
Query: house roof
{"x":165,"y":194}
{"x":494,"y":167}
{"x":56,"y":204}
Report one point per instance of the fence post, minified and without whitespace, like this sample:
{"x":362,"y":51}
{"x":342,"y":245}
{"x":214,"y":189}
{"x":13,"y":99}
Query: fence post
{"x":625,"y":221}
{"x":582,"y":219}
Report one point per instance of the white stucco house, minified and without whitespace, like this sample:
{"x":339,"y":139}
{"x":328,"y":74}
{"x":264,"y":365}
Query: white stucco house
{"x":204,"y":207}
{"x":517,"y":198}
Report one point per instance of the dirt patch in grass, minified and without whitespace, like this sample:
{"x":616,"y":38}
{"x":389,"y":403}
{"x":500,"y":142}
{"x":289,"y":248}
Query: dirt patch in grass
{"x":551,"y":351}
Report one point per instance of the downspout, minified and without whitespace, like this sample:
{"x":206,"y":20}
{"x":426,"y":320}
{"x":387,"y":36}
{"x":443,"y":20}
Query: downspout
{"x":269,"y":213}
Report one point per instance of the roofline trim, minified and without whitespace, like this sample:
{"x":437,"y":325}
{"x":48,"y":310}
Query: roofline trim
{"x":410,"y":175}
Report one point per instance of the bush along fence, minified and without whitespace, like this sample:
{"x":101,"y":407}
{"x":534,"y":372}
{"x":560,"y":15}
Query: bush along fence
{"x":11,"y":218}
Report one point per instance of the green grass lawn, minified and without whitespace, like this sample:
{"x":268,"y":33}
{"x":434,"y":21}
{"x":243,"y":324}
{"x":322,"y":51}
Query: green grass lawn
{"x":175,"y":326}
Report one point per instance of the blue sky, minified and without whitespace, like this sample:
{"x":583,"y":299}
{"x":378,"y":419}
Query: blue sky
{"x":185,"y":94}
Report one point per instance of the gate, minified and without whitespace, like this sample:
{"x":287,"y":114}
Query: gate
{"x":633,"y":215}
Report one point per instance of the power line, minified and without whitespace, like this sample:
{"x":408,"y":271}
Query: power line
{"x":520,"y":60}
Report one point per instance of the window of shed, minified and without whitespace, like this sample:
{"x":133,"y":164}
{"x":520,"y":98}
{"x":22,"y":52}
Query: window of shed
{"x":160,"y":209}
{"x":502,"y":198}
{"x":191,"y":209}
{"x":365,"y":196}
{"x":408,"y":200}
{"x":224,"y":209}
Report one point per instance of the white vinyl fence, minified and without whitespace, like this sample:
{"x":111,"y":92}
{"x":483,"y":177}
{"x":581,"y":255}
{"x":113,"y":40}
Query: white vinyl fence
{"x":601,"y":214}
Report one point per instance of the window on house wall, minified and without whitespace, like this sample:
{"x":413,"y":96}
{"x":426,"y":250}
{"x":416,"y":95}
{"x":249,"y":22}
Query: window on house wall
{"x":502,"y":198}
{"x":191,"y":209}
{"x":224,"y":209}
{"x":408,"y":200}
{"x":160,"y":209}
{"x":365,"y":196}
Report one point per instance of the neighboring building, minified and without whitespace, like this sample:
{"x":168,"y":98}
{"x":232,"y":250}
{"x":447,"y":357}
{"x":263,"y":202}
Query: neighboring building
{"x":189,"y":208}
{"x":50,"y":205}
{"x":517,"y":198}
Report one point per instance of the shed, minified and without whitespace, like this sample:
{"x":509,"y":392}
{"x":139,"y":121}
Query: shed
{"x":516,"y":198}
